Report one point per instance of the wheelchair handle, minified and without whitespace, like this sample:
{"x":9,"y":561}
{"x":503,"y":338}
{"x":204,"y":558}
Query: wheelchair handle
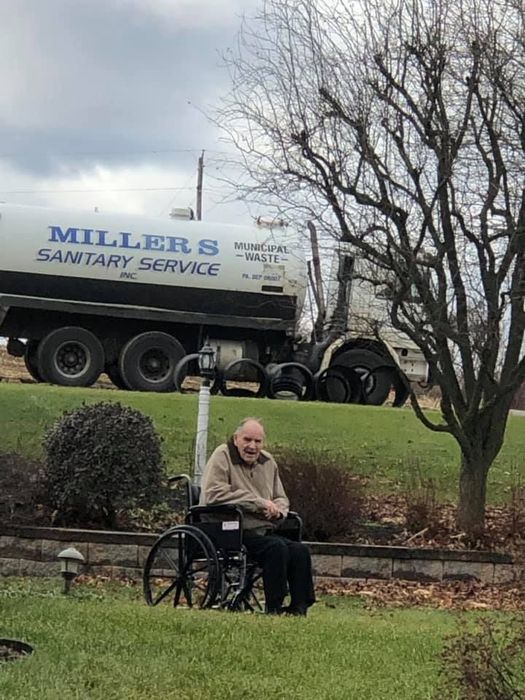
{"x":178,"y":477}
{"x":187,"y":483}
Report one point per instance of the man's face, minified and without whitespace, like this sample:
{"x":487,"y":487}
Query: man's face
{"x":249,"y":441}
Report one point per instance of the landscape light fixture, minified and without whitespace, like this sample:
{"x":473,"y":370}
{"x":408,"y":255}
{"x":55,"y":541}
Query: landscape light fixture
{"x":70,"y":561}
{"x":207,"y":362}
{"x":207,"y":371}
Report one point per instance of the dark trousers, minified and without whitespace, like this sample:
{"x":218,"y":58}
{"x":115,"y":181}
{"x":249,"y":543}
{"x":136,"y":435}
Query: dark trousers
{"x":287,"y":566}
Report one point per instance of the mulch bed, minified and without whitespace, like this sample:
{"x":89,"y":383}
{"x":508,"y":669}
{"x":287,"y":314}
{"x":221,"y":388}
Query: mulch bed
{"x":12,"y":649}
{"x":388,"y":517}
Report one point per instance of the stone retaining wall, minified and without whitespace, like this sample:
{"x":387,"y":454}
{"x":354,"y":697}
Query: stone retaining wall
{"x":32,"y":551}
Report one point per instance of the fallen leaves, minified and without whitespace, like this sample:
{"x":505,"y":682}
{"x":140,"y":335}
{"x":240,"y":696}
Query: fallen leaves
{"x":450,"y":595}
{"x":386,"y":516}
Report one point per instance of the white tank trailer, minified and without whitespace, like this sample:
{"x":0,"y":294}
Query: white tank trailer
{"x":83,"y":293}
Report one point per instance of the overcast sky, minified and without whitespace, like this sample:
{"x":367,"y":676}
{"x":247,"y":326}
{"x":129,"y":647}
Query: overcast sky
{"x":102,"y":101}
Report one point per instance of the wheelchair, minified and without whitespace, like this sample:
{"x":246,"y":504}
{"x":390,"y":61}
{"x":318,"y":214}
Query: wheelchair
{"x":203,"y":562}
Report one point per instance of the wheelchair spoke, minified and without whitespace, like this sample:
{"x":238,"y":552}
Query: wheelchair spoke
{"x":255,"y":600}
{"x":165,"y":593}
{"x":186,"y":587}
{"x":169,"y":560}
{"x":178,"y":591}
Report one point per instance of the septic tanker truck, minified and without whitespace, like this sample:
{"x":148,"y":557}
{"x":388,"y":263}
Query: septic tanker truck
{"x":82,"y":293}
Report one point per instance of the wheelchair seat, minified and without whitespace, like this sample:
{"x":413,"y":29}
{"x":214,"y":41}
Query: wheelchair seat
{"x":204,"y":563}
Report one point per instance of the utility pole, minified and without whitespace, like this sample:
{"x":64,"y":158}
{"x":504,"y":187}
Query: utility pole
{"x":200,"y":172}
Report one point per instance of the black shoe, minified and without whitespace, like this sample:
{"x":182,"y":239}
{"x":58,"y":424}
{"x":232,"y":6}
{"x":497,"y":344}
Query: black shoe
{"x":275,"y":611}
{"x":295,"y":610}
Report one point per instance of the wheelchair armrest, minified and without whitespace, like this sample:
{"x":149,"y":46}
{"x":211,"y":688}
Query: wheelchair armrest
{"x":292,"y":526}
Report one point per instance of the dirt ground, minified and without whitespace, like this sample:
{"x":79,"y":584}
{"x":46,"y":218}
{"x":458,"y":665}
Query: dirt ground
{"x":12,"y":368}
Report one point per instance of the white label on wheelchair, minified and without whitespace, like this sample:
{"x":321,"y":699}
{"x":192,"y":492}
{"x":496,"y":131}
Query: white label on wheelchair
{"x":230,"y":525}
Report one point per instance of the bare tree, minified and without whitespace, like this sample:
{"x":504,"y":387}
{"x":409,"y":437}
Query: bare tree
{"x":399,"y":125}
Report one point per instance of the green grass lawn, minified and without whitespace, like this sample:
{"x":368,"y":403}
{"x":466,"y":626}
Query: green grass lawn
{"x":105,"y":643}
{"x":383,"y":443}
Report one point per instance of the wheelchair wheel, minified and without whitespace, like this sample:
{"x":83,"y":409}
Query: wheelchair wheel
{"x":182,"y":569}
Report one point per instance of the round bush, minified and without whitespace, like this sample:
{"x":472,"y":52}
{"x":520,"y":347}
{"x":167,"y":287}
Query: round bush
{"x":100,"y":459}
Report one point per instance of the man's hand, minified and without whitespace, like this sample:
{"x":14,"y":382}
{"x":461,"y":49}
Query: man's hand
{"x":271,"y":512}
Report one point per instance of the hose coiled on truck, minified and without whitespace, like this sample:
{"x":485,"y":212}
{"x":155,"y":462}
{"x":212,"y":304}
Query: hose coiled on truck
{"x":181,"y":371}
{"x":338,"y":384}
{"x":290,"y":379}
{"x":249,"y":366}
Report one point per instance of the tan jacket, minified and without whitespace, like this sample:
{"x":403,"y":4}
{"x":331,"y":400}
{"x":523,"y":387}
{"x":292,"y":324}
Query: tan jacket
{"x":227,"y":479}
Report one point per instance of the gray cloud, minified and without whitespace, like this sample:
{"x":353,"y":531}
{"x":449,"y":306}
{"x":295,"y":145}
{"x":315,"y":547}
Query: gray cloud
{"x":116,"y":83}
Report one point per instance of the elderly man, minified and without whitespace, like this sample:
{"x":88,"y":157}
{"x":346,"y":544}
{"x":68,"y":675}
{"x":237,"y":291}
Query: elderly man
{"x":241,"y":473}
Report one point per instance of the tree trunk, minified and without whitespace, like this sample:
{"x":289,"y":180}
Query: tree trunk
{"x":472,"y":495}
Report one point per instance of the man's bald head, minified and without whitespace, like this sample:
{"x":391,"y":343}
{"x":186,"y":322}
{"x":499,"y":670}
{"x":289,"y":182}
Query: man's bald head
{"x":249,"y":439}
{"x":248,"y":421}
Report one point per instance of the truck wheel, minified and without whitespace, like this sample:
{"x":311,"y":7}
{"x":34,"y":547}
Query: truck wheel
{"x":148,"y":360}
{"x":70,"y":356}
{"x":31,"y":361}
{"x":376,"y":376}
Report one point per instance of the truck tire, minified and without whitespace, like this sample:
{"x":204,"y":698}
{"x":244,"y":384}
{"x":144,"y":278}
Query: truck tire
{"x":70,"y":356}
{"x":148,"y":360}
{"x":376,"y":374}
{"x":31,"y":360}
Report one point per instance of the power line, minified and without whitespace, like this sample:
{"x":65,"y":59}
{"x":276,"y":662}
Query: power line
{"x":112,"y":189}
{"x":107,"y":189}
{"x":155,"y":151}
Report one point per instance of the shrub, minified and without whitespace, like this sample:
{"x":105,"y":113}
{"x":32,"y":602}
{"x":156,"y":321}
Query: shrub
{"x":327,"y":495}
{"x":156,"y":518}
{"x":486,"y":661}
{"x":421,"y":506}
{"x":100,"y":459}
{"x":515,"y":514}
{"x":20,"y":489}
